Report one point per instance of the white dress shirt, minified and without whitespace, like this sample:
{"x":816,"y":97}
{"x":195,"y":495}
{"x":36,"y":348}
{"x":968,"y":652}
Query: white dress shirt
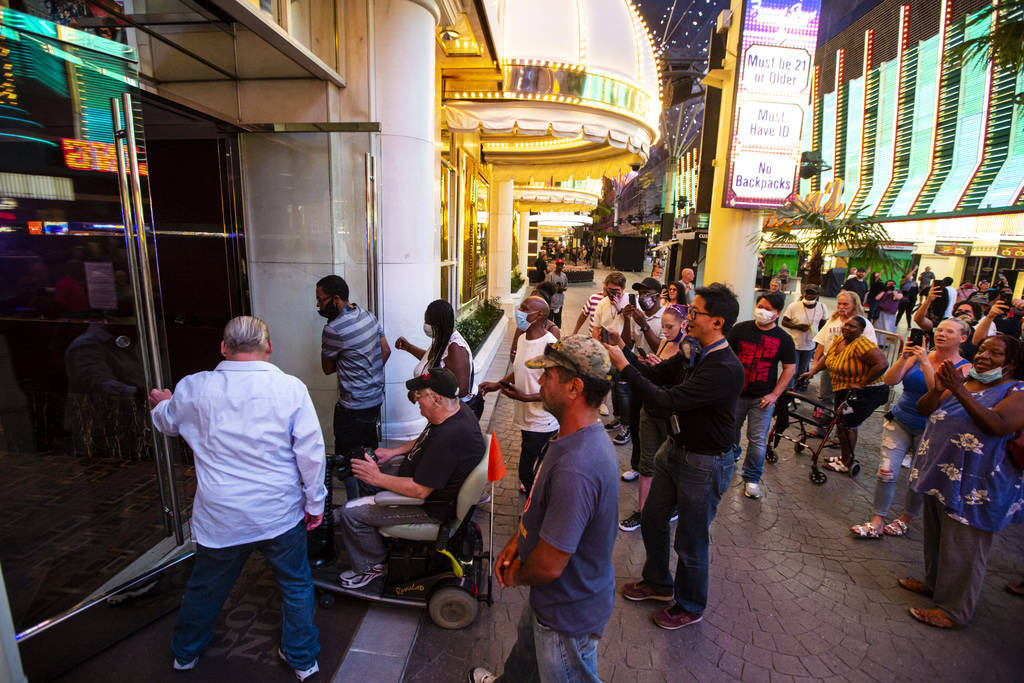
{"x":259,"y":451}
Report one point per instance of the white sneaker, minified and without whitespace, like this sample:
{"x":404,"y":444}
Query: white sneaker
{"x":481,"y":675}
{"x":350,"y":578}
{"x":301,"y":674}
{"x":752,"y":490}
{"x":187,"y":666}
{"x":630,"y":475}
{"x":603,"y":410}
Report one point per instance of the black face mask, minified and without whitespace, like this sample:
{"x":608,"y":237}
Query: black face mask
{"x":330,"y":311}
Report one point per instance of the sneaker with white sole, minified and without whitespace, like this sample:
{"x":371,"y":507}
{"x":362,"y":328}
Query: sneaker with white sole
{"x":481,"y":675}
{"x":352,"y":579}
{"x":631,"y":523}
{"x":613,"y":425}
{"x":630,"y":475}
{"x":674,"y":517}
{"x":187,"y":666}
{"x":622,"y":438}
{"x":603,"y":410}
{"x":301,"y":674}
{"x":751,"y":489}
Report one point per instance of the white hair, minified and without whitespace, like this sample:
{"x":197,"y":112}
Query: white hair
{"x":245,"y":334}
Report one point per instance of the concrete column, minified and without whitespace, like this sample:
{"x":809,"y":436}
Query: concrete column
{"x":732,"y":239}
{"x":524,"y":247}
{"x":409,"y":277}
{"x":499,"y":257}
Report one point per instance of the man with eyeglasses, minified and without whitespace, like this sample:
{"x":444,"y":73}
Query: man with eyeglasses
{"x":354,"y":347}
{"x":697,"y":390}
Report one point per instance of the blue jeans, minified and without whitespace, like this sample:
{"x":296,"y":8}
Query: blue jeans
{"x":803,"y":364}
{"x":543,"y":654}
{"x":213,"y":576}
{"x":691,"y":484}
{"x":897,"y":441}
{"x":759,"y":422}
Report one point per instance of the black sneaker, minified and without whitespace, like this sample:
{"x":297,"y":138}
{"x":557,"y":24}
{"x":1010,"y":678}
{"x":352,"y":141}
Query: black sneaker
{"x":613,"y":425}
{"x":622,"y":438}
{"x":631,"y":523}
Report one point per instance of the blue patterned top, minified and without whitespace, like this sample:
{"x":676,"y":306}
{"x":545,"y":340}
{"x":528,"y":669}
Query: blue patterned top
{"x":967,"y":469}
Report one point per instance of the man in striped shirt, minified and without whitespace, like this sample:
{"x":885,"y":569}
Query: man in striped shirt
{"x":353,"y":345}
{"x":587,"y":312}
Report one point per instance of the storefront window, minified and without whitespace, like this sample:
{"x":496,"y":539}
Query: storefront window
{"x":474,"y":231}
{"x":449,"y":240}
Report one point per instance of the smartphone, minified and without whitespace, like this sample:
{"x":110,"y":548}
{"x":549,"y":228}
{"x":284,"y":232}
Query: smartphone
{"x":506,"y":385}
{"x":632,"y":300}
{"x":1005,"y":297}
{"x":916,"y":337}
{"x":605,"y":337}
{"x":640,"y":352}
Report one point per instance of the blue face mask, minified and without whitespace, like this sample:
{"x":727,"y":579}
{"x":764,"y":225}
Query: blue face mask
{"x":988,"y":377}
{"x":521,"y":322}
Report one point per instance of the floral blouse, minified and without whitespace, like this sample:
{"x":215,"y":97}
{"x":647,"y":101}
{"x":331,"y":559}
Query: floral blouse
{"x":968,"y":470}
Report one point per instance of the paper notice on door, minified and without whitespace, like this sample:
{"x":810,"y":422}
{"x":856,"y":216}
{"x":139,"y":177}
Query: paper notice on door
{"x":99,"y":281}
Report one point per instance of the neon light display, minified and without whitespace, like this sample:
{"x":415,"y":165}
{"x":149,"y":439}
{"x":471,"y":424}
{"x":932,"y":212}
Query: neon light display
{"x":776,"y":47}
{"x":83,"y":155}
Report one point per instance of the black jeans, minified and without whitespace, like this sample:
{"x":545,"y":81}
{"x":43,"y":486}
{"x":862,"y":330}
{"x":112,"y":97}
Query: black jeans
{"x":556,"y":317}
{"x":620,"y":396}
{"x":354,"y":429}
{"x":531,"y":452}
{"x":636,"y":405}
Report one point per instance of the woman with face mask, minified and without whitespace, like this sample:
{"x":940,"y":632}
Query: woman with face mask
{"x":447,"y":349}
{"x":887,"y":304}
{"x":972,"y":487}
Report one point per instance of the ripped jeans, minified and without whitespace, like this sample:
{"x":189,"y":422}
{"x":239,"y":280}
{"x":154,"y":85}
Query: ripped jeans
{"x":897,"y":441}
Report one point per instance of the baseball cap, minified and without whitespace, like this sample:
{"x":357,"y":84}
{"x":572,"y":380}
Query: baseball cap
{"x":439,"y":380}
{"x":811,"y":289}
{"x":583,"y":355}
{"x":648,"y":283}
{"x":560,"y":260}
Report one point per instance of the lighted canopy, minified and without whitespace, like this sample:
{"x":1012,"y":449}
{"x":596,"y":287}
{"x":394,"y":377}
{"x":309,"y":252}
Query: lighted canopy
{"x":579,"y":94}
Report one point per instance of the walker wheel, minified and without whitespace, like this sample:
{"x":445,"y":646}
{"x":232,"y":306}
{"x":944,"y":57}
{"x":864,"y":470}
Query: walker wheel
{"x":818,"y":477}
{"x":326,"y":600}
{"x":771,"y":456}
{"x":854,"y":469}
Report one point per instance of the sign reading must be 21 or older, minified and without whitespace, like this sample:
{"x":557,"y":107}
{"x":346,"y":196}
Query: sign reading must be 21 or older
{"x":770,"y":104}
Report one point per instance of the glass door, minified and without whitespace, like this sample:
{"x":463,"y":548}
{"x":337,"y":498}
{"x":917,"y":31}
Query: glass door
{"x":90,"y":498}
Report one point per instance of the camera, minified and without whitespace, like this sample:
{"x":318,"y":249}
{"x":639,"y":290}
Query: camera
{"x":890,"y":288}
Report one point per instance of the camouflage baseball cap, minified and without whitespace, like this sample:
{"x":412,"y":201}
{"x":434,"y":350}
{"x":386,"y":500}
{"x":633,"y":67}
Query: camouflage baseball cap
{"x":583,"y":355}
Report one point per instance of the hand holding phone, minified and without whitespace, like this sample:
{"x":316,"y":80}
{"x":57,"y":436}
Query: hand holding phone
{"x":640,"y":352}
{"x":605,"y":337}
{"x":632,"y":299}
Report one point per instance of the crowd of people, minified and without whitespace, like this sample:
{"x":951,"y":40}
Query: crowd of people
{"x":683,"y":371}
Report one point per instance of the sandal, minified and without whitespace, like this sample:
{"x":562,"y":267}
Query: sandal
{"x":914,"y":586}
{"x":866,"y":530}
{"x":933,"y":617}
{"x":897,"y":527}
{"x":1016,"y":588}
{"x":833,"y":443}
{"x":835,"y":464}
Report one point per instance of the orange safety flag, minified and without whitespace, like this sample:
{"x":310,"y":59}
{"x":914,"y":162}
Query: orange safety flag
{"x":495,"y":463}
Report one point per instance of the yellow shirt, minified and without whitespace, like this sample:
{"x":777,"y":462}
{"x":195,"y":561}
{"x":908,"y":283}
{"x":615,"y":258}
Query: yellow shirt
{"x":846,"y":364}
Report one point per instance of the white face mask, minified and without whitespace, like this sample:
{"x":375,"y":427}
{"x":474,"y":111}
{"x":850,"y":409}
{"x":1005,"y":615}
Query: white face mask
{"x":764,"y":317}
{"x":428,"y":330}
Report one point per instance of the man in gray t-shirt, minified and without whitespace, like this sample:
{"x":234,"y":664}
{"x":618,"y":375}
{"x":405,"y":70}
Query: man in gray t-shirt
{"x":563,"y":548}
{"x":561,"y":282}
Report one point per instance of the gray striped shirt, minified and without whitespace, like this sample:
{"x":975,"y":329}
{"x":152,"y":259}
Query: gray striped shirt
{"x":352,"y":340}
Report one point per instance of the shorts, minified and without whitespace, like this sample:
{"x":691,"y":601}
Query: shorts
{"x":863,"y":403}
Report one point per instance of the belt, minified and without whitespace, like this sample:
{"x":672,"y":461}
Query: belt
{"x":712,"y":453}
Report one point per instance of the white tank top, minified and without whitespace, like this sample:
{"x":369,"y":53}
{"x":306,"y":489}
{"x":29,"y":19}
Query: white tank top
{"x":456,"y":339}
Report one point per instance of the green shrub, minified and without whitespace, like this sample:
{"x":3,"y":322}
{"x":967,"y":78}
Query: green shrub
{"x":517,"y":280}
{"x":475,"y":325}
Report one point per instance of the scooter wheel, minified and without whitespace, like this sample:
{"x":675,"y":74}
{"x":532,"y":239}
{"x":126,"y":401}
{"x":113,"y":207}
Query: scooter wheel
{"x":818,"y":477}
{"x":452,"y":608}
{"x":326,"y":600}
{"x":771,"y":456}
{"x":855,"y":469}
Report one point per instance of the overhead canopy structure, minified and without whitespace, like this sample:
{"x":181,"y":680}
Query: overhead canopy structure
{"x":548,"y":198}
{"x":579,"y":94}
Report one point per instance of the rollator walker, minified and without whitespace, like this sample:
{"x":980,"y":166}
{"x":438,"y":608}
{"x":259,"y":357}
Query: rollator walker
{"x":440,"y":566}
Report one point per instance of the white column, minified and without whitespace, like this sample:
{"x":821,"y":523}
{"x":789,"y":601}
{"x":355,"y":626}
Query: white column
{"x":499,"y":258}
{"x":404,"y":102}
{"x":524,"y":247}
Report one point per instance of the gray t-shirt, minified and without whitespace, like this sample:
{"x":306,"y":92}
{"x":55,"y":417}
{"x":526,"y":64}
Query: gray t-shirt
{"x":352,"y":340}
{"x":574,"y":507}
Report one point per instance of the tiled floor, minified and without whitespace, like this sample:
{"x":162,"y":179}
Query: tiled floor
{"x":793,"y":596}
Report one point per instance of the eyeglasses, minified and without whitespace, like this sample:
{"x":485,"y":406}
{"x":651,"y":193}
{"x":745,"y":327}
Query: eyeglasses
{"x":693,"y":313}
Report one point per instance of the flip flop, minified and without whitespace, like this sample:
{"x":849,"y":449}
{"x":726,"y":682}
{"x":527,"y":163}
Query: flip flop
{"x":914,"y":586}
{"x":835,"y":464}
{"x":897,"y":527}
{"x":933,"y":617}
{"x":865,"y":531}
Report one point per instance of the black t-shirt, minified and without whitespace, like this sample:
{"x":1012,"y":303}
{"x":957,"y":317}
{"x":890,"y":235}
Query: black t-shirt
{"x":858,"y":287}
{"x":704,"y":398}
{"x":442,"y":458}
{"x":761,"y":351}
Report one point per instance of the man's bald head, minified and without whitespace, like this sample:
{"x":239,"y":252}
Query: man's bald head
{"x":532,"y":304}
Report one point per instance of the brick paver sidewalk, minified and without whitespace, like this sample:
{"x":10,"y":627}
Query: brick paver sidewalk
{"x":793,"y":596}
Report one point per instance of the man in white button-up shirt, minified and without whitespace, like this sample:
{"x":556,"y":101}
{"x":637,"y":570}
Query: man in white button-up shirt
{"x":260,"y":464}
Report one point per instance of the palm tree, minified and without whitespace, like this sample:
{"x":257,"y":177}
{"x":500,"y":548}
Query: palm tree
{"x":1003,"y":45}
{"x":816,"y":225}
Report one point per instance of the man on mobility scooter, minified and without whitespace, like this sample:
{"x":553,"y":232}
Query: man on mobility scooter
{"x":431,"y":468}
